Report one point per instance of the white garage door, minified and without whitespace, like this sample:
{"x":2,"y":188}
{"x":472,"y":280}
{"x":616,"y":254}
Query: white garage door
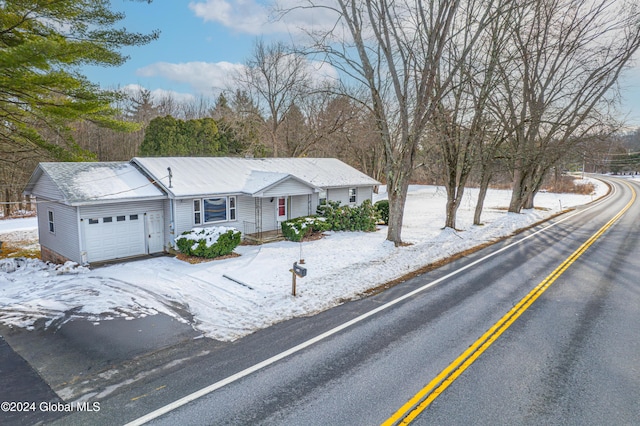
{"x":113,"y":237}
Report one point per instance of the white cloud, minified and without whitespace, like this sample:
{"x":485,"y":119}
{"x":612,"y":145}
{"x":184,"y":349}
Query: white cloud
{"x":257,"y":18}
{"x":159,"y":94}
{"x":203,"y":77}
{"x":322,"y":72}
{"x":208,"y":78}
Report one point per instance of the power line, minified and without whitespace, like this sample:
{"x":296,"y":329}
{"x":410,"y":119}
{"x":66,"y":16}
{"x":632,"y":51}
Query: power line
{"x":103,"y":196}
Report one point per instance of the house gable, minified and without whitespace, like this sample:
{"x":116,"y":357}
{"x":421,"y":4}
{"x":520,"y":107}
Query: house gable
{"x":289,"y":185}
{"x":45,"y":188}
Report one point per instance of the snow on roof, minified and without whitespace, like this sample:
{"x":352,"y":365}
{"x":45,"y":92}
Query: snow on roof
{"x":260,"y":180}
{"x":86,"y":182}
{"x":227,"y":175}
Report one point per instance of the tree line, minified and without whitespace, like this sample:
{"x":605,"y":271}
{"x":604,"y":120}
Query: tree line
{"x":453,"y":92}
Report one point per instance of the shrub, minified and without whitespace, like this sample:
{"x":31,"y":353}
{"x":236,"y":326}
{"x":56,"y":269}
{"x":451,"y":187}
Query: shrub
{"x":298,"y":228}
{"x":346,"y":218}
{"x":208,"y":242}
{"x":382,"y":207}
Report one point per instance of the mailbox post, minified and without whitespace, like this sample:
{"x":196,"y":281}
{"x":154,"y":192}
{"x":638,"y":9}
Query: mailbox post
{"x":297,"y":271}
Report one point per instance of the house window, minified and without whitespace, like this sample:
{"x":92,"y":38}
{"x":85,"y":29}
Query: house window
{"x":197,"y":213}
{"x":215,"y":209}
{"x":107,"y":219}
{"x":133,"y":217}
{"x":232,"y":208}
{"x":322,"y":197}
{"x":93,"y":221}
{"x":121,"y":218}
{"x":282,"y":206}
{"x":52,"y":227}
{"x":352,"y":195}
{"x":212,"y":210}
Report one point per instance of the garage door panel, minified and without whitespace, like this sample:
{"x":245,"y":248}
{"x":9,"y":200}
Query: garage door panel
{"x":114,"y":237}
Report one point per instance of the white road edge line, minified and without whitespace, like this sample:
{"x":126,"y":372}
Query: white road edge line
{"x":215,"y":386}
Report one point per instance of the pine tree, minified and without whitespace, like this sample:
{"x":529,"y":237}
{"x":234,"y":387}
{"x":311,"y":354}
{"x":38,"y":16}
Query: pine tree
{"x":43,"y":44}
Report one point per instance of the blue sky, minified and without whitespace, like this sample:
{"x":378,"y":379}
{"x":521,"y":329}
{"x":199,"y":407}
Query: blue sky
{"x":201,"y":41}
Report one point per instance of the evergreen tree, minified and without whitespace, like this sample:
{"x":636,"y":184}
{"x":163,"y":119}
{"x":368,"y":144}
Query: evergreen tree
{"x":168,"y":136}
{"x":42,"y":46}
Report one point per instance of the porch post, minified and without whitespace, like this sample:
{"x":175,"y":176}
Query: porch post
{"x":258,"y":216}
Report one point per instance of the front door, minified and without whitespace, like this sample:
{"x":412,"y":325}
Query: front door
{"x":155,"y":231}
{"x":281,"y":209}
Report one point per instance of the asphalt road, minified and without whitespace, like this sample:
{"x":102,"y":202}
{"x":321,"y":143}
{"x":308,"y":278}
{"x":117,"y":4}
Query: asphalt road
{"x":571,"y":356}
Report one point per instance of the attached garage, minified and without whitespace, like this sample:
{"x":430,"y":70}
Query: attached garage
{"x":94,"y":212}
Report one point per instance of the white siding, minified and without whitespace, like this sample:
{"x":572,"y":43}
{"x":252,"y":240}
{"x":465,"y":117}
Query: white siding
{"x":45,"y":188}
{"x":315,"y":199}
{"x":269,"y":222}
{"x":185,"y":220}
{"x":64,"y":240}
{"x":300,"y":206}
{"x":168,"y":232}
{"x":342,"y":194}
{"x":184,"y":216}
{"x":365,"y":193}
{"x":288,"y":187}
{"x":338,"y":194}
{"x":246,"y":212}
{"x":115,"y":209}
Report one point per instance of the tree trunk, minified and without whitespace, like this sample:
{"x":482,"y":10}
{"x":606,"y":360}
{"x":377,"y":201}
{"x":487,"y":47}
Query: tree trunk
{"x":454,"y":199}
{"x":7,"y":205}
{"x":452,"y":209}
{"x":482,"y":194}
{"x":398,"y":176}
{"x":537,"y":179}
{"x":518,"y":191}
{"x":528,"y":201}
{"x":397,"y":199}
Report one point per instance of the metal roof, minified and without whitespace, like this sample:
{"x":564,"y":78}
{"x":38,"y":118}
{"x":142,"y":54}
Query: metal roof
{"x":193,"y":176}
{"x":89,"y":183}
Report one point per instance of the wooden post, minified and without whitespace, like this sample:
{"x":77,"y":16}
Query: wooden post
{"x":293,"y":282}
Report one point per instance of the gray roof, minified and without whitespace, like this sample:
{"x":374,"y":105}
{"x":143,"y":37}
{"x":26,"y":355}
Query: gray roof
{"x":193,"y":176}
{"x":87,"y":183}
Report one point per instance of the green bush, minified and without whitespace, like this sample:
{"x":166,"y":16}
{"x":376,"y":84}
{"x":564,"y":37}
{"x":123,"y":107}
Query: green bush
{"x":298,"y":228}
{"x":382,"y":207}
{"x":208,"y":242}
{"x":347,"y":218}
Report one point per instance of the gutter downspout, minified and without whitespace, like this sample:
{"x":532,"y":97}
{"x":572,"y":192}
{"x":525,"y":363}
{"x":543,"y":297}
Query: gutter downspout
{"x":83,"y":252}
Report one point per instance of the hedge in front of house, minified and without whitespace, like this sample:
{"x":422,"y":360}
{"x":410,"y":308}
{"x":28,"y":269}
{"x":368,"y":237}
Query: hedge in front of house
{"x":382,"y":207}
{"x":298,"y":228}
{"x":208,"y":242}
{"x":347,"y":218}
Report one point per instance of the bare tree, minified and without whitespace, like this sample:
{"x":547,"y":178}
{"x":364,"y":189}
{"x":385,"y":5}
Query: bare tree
{"x":394,"y":50}
{"x":342,"y":128}
{"x":461,"y":124}
{"x":559,"y":76}
{"x":276,"y":79}
{"x":200,"y":107}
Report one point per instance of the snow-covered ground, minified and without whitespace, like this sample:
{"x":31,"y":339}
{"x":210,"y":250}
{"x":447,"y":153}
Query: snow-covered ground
{"x":233,"y":297}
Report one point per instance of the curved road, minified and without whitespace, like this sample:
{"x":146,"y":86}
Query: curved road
{"x":542,"y":328}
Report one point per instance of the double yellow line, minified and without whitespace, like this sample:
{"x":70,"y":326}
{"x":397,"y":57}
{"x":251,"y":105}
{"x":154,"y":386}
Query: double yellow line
{"x":431,"y":391}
